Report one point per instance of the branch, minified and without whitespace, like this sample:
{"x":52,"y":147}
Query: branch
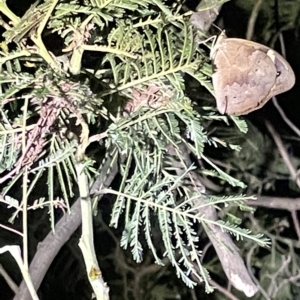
{"x":292,"y":170}
{"x":86,"y":242}
{"x":226,"y":250}
{"x":65,"y":227}
{"x":288,"y":204}
{"x":284,"y":154}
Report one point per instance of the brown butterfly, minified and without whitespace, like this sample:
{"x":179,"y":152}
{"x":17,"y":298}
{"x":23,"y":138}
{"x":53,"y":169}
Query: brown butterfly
{"x":247,"y":74}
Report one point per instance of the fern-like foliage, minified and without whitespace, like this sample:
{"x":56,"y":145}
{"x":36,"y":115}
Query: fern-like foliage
{"x":150,"y":58}
{"x":51,"y":142}
{"x":131,"y":98}
{"x":151,"y":193}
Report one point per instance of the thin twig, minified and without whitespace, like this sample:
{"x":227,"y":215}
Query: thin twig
{"x":284,"y":154}
{"x":223,"y":290}
{"x":291,"y":169}
{"x":12,"y":230}
{"x":252,"y":19}
{"x":8,"y":279}
{"x":284,"y":117}
{"x":296,"y":223}
{"x":249,"y":256}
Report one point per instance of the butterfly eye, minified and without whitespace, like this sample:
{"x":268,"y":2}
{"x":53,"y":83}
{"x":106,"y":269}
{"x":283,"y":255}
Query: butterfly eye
{"x":278,"y":73}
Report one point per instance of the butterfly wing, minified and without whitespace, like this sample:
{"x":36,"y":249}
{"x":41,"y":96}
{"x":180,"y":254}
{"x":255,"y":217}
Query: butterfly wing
{"x":246,"y":75}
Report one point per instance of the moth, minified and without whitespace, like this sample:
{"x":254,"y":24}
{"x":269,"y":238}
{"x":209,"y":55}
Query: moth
{"x":247,"y":74}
